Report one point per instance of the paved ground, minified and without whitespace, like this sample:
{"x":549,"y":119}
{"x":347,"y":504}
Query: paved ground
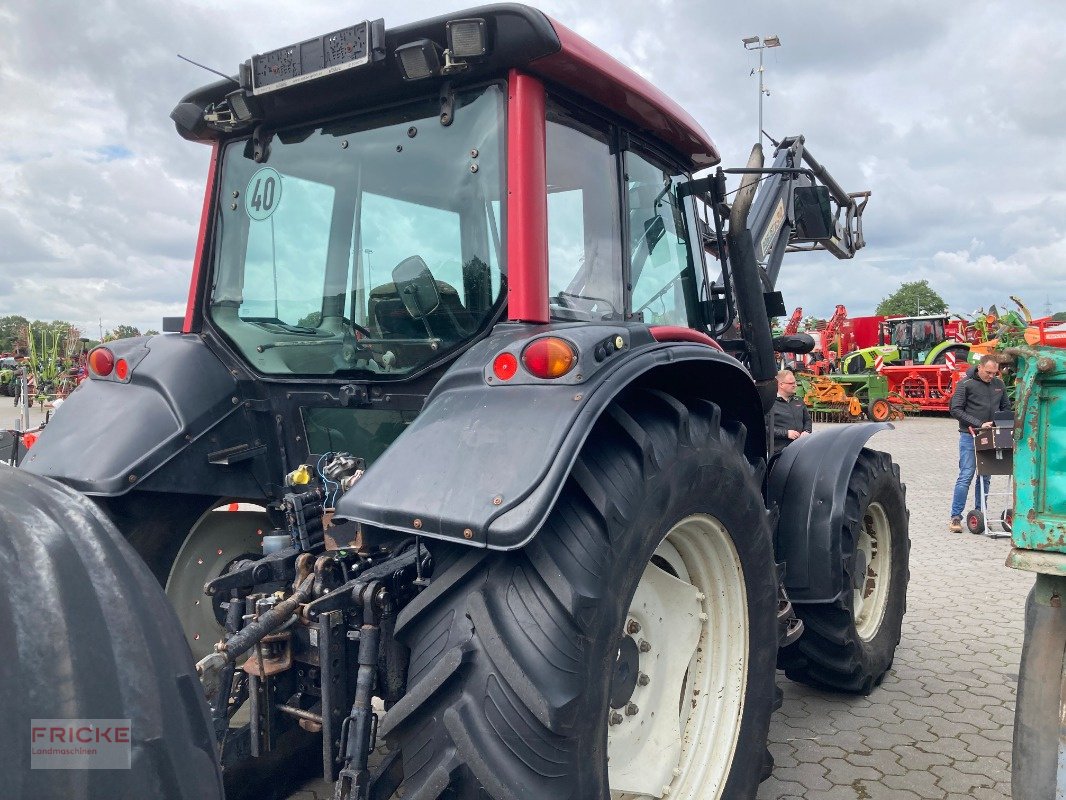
{"x":940,"y":726}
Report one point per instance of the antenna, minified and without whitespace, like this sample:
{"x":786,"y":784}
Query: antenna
{"x":215,"y":71}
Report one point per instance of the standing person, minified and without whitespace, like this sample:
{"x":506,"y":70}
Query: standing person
{"x":974,"y":404}
{"x":789,"y":418}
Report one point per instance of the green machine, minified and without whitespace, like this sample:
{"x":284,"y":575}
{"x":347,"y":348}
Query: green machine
{"x":1039,"y":538}
{"x":848,"y":398}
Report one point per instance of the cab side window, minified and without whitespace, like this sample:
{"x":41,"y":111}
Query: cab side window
{"x":584,"y":229}
{"x":661,"y":267}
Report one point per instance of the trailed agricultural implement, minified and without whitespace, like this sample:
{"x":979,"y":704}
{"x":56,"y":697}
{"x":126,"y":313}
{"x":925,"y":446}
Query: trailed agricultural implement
{"x":851,"y":398}
{"x":484,"y":370}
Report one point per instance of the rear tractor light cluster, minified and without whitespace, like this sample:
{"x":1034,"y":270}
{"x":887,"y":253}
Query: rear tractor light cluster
{"x":102,"y":364}
{"x":546,"y":358}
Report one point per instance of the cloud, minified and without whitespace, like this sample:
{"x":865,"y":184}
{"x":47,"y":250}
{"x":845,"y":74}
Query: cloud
{"x":947,"y":113}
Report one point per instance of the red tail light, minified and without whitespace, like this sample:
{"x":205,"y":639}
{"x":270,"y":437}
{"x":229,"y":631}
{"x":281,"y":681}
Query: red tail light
{"x":101,"y":361}
{"x":505,"y":366}
{"x":549,"y":357}
{"x":122,"y":369}
{"x":29,"y":440}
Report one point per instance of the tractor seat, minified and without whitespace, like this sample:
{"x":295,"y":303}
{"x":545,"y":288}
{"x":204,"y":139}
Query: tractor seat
{"x":389,"y":318}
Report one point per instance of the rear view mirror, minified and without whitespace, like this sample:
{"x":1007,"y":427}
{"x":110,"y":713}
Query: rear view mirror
{"x":416,"y":286}
{"x":654,"y":230}
{"x":814,"y":218}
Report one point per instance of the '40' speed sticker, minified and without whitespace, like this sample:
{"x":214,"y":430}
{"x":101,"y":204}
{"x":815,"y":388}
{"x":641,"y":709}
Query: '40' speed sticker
{"x":263,"y":194}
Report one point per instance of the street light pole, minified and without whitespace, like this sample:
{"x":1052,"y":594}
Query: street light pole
{"x":369,"y":274}
{"x":760,"y":44}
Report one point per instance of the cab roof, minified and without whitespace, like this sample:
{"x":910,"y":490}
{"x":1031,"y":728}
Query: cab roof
{"x":519,"y":37}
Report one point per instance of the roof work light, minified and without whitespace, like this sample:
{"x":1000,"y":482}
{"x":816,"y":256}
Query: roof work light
{"x":467,"y":38}
{"x":418,"y":59}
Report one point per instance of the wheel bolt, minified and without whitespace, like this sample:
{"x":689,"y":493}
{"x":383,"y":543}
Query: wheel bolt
{"x":644,"y":646}
{"x":616,"y":718}
{"x":631,"y":709}
{"x":633,"y":626}
{"x":642,"y":679}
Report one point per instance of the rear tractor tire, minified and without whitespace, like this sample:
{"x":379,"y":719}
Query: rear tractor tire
{"x":848,"y":645}
{"x":628,"y":650}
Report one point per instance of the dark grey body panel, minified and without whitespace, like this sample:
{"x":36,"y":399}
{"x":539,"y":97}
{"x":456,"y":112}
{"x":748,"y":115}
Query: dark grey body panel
{"x":808,"y":482}
{"x":483,"y":464}
{"x":180,"y":405}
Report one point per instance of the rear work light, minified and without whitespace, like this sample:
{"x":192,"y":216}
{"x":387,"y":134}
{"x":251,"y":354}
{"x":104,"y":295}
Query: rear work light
{"x":466,"y":38}
{"x":418,"y":60}
{"x":101,"y":362}
{"x":549,"y":357}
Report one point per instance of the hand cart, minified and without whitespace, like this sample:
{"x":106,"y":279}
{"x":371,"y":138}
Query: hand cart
{"x":994,"y":454}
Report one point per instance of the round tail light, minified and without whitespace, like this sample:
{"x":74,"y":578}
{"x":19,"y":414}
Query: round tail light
{"x":549,"y":357}
{"x":505,"y":366}
{"x":101,"y":361}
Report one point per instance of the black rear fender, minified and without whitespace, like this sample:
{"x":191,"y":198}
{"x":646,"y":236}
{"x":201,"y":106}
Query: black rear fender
{"x":808,"y":482}
{"x":155,"y":431}
{"x":484,"y":461}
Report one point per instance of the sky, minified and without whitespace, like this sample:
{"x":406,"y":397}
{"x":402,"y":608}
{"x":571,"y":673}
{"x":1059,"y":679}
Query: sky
{"x":949,"y":112}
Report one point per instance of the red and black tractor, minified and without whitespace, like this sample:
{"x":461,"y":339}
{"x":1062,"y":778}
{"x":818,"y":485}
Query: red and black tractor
{"x":459,"y":448}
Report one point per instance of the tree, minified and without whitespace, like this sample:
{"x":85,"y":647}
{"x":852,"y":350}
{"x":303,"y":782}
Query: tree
{"x":911,"y":300}
{"x":121,"y":332}
{"x":12,"y":330}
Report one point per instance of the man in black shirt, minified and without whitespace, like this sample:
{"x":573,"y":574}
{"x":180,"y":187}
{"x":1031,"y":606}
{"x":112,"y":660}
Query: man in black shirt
{"x":974,"y":403}
{"x":789,"y":418}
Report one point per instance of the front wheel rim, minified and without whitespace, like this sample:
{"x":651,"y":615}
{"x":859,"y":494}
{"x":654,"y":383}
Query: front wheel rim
{"x":689,"y":617}
{"x":218,"y":539}
{"x":874,"y":551}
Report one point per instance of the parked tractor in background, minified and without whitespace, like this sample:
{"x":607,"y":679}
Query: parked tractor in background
{"x":927,"y":340}
{"x":466,"y":417}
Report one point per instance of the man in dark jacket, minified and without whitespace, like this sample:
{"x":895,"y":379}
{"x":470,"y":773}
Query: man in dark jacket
{"x":974,"y":404}
{"x":789,"y":418}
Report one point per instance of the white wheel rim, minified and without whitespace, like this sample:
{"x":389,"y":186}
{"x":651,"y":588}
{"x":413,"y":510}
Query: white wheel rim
{"x":875,"y":548}
{"x":206,"y":551}
{"x":680,"y":742}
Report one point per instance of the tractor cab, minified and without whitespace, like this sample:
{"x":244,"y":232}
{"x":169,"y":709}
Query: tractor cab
{"x":380,"y":199}
{"x":914,"y":337}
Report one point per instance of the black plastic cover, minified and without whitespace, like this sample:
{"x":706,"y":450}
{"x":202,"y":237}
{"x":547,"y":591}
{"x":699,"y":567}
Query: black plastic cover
{"x":110,"y":437}
{"x":482,"y":464}
{"x":809,"y":482}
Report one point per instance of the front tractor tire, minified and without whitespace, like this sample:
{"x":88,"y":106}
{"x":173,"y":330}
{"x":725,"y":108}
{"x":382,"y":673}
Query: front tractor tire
{"x":628,"y":650}
{"x":87,"y":634}
{"x":848,"y":644}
